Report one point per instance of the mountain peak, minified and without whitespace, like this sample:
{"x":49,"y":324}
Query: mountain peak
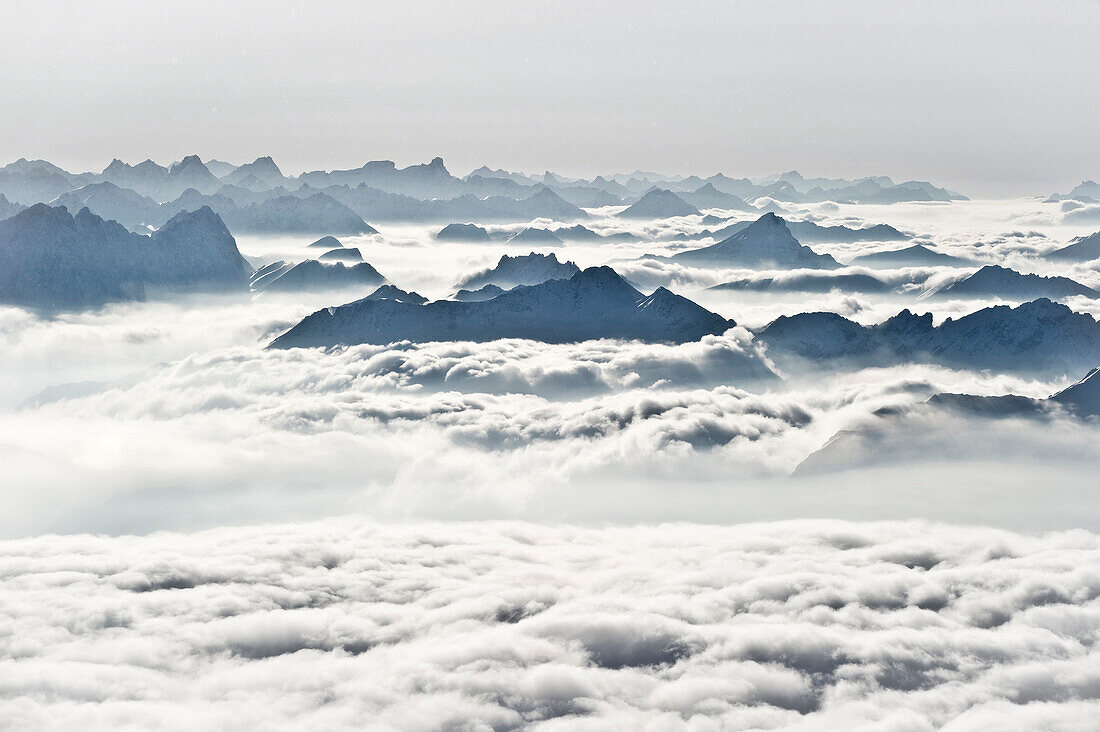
{"x":765,"y":242}
{"x":526,"y":269}
{"x":545,"y":193}
{"x":1083,"y":398}
{"x":602,"y":276}
{"x":203,"y":216}
{"x":189,"y":161}
{"x":42,"y":213}
{"x":658,"y":203}
{"x":594,"y":304}
{"x":265,"y":163}
{"x":994,"y":280}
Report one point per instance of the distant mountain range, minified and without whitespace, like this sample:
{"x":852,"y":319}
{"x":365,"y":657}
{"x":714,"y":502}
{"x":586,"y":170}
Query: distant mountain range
{"x":1038,"y":337}
{"x":488,"y":292}
{"x":380,"y":191}
{"x":277,"y":214}
{"x":707,"y":196}
{"x":594,"y":303}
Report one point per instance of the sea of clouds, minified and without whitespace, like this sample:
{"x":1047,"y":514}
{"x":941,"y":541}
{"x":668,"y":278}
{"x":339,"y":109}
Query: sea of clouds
{"x":806,"y":625}
{"x":575,"y":432}
{"x":172,"y":415}
{"x":514,"y":534}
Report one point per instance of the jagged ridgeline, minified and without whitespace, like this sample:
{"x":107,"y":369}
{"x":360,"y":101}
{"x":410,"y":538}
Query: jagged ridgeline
{"x":594,"y":303}
{"x":258,"y":197}
{"x":53,"y":260}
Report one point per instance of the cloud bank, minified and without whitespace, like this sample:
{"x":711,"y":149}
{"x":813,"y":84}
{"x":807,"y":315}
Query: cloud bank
{"x":801,"y":625}
{"x":596,"y":430}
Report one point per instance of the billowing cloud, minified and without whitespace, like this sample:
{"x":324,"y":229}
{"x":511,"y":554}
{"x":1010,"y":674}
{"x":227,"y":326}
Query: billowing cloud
{"x":799,"y":625}
{"x":596,"y":430}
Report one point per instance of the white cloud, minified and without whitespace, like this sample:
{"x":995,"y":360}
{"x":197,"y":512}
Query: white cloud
{"x":798,"y":625}
{"x":586,"y":431}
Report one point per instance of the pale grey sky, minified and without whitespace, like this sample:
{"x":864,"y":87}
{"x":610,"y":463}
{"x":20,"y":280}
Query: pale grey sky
{"x":988,"y":97}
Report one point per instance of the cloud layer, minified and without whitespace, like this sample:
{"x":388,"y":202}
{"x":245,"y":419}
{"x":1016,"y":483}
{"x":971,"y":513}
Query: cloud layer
{"x":802,"y":625}
{"x":596,"y":430}
{"x":171,"y":415}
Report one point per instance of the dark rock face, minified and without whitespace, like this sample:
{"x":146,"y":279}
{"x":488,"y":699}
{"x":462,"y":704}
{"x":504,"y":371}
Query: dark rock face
{"x":765,"y":242}
{"x":342,"y":255}
{"x":463,"y":232}
{"x":1084,"y":249}
{"x":529,"y":269}
{"x":1039,"y":337}
{"x":995,"y":281}
{"x":195,"y":250}
{"x":917,"y":255}
{"x":595,"y":303}
{"x":51,"y":259}
{"x":314,"y":276}
{"x":658,"y":204}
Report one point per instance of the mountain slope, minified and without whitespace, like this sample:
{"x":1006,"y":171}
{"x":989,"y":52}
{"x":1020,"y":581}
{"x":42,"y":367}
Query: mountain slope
{"x":262,"y":169}
{"x":594,"y":303}
{"x":658,"y":204}
{"x":1084,"y":249}
{"x":194,"y":250}
{"x":9,"y":208}
{"x":314,"y":276}
{"x":535,"y":237}
{"x":463,"y":233}
{"x":1083,"y":398}
{"x":51,"y":259}
{"x":290,"y":214}
{"x":528,"y":269}
{"x":1039,"y":337}
{"x":996,"y":281}
{"x":808,"y":282}
{"x":108,"y":201}
{"x":765,"y":242}
{"x":811,"y":231}
{"x":917,"y":255}
{"x":707,"y":196}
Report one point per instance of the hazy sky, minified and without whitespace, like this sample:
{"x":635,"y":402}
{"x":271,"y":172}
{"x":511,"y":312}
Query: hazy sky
{"x":988,"y":97}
